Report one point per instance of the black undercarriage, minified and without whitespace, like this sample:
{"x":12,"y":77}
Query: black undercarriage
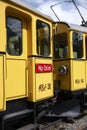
{"x":22,"y":112}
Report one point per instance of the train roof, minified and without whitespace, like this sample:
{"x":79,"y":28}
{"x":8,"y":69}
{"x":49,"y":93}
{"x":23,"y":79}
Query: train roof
{"x":74,"y":26}
{"x":31,"y":9}
{"x":78,"y":28}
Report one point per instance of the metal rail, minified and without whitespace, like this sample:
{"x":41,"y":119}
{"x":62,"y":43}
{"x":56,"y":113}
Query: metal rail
{"x":51,"y":126}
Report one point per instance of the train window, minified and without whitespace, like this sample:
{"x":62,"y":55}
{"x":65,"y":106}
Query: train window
{"x":77,"y":45}
{"x":60,"y":45}
{"x":14,"y":36}
{"x":43,"y":38}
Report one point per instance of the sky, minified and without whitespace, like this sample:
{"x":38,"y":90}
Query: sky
{"x":65,"y":11}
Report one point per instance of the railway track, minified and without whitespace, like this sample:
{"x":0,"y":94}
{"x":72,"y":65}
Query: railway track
{"x":51,"y":126}
{"x":79,"y":123}
{"x":55,"y":123}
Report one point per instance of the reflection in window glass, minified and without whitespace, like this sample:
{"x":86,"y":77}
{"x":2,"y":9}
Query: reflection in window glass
{"x":43,"y":38}
{"x":14,"y":36}
{"x":60,"y":45}
{"x":77,"y":45}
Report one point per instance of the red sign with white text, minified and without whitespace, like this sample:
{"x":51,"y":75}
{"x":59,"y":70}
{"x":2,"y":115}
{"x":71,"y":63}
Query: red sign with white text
{"x":43,"y":68}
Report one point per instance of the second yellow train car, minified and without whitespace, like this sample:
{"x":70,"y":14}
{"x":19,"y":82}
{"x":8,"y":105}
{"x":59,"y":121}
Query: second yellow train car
{"x":70,"y":67}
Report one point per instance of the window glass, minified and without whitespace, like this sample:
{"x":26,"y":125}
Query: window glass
{"x":60,"y":45}
{"x":43,"y":38}
{"x":14,"y":36}
{"x":77,"y":45}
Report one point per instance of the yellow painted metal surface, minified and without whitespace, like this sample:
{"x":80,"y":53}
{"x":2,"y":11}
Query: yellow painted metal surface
{"x":16,"y":84}
{"x":2,"y":84}
{"x":65,"y":80}
{"x":78,"y":75}
{"x":40,"y":84}
{"x":75,"y":79}
{"x":2,"y":27}
{"x":44,"y":81}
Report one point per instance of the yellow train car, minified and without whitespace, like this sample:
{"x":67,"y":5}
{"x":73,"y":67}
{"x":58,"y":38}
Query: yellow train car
{"x":70,"y":65}
{"x":43,"y":67}
{"x":26,"y":65}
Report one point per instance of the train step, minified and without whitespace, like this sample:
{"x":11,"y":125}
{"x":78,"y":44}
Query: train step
{"x":17,"y":114}
{"x":29,"y":127}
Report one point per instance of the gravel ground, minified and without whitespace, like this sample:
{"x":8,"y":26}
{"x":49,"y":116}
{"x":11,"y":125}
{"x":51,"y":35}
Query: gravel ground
{"x":79,"y":124}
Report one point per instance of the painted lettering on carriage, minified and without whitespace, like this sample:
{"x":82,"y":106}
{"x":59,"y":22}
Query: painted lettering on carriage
{"x":78,"y":81}
{"x":43,"y":68}
{"x":44,"y":87}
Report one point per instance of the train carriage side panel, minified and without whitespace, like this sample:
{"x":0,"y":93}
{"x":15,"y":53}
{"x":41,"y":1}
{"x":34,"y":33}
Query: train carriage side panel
{"x":78,"y":75}
{"x":2,"y":83}
{"x":41,"y":84}
{"x":40,"y":62}
{"x":2,"y":59}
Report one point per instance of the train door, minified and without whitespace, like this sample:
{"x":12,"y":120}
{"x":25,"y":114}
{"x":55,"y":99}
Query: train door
{"x":16,"y":58}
